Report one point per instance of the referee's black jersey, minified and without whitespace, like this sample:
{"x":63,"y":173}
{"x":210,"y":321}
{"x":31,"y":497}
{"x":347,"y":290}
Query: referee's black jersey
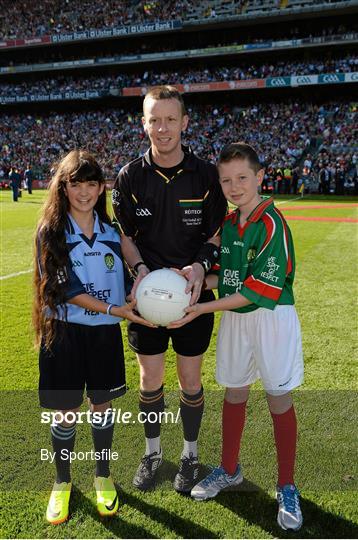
{"x":169,"y":218}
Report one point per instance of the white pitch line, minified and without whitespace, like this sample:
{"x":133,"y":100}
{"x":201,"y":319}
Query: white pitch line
{"x":288,"y":200}
{"x":16,"y":274}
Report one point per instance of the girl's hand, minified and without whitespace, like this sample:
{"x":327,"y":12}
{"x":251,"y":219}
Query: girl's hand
{"x":127,"y":312}
{"x":191,"y":313}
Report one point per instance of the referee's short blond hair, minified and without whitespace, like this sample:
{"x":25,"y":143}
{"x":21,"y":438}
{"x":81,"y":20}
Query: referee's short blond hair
{"x":165,"y":92}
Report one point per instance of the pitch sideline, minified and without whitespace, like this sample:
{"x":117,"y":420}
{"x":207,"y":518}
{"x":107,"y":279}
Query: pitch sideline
{"x":15,"y":274}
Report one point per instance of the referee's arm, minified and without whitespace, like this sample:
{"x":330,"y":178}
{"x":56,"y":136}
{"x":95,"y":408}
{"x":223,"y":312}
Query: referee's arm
{"x":125,"y":216}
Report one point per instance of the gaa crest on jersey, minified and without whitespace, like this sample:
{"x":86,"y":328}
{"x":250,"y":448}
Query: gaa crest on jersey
{"x":109,"y":260}
{"x":251,"y":254}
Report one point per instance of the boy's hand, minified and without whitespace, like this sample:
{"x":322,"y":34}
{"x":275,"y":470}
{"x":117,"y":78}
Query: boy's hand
{"x":191,"y":313}
{"x":127,"y":312}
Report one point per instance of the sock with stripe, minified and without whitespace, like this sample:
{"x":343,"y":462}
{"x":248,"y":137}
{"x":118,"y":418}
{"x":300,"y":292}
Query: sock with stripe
{"x":102,"y":435}
{"x":233,"y":422}
{"x":191,"y":412}
{"x":152,"y":402}
{"x":63,"y":438}
{"x":285,"y":431}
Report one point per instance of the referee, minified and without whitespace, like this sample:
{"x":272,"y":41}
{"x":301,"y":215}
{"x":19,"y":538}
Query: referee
{"x":170,"y":207}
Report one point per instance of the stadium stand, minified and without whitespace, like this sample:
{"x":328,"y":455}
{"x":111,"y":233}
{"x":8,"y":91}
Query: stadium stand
{"x":243,"y":71}
{"x":59,"y":16}
{"x":289,"y":128}
{"x":329,"y":35}
{"x":23,"y":20}
{"x":283,"y":133}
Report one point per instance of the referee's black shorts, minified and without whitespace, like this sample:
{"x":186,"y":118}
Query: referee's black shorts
{"x":190,"y":340}
{"x":80,"y":357}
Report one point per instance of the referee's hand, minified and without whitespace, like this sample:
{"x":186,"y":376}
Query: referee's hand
{"x":195,"y":275}
{"x":142,"y":272}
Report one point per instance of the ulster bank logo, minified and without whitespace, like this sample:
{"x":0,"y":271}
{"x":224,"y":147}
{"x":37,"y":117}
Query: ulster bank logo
{"x":109,"y":260}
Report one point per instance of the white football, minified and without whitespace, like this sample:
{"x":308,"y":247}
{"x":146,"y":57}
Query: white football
{"x":161,"y":297}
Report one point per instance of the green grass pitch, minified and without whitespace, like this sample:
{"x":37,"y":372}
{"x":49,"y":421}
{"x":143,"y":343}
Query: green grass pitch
{"x":326,"y":292}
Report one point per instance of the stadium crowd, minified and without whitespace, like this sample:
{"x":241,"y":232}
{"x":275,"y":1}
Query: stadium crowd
{"x":26,"y":20}
{"x":31,"y":19}
{"x":199,"y":74}
{"x":287,"y":136}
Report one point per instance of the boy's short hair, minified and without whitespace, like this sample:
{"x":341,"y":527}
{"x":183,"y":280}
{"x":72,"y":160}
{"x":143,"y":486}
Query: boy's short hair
{"x":165,"y":92}
{"x":240,"y":150}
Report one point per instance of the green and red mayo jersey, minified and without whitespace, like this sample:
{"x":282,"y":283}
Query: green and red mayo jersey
{"x":257,"y":260}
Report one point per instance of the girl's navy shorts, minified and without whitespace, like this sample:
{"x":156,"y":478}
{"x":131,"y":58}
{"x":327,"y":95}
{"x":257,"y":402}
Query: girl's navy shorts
{"x":82,"y":357}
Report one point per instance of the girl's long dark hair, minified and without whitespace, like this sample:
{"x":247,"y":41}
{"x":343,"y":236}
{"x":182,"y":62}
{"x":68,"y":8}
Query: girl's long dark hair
{"x":51,"y":255}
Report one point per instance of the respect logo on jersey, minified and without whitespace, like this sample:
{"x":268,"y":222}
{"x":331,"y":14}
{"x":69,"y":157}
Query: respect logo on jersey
{"x":272,"y":268}
{"x":231,"y":278}
{"x":109,"y":260}
{"x":101,"y":294}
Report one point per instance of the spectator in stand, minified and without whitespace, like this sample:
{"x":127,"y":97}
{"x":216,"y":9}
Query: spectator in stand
{"x":308,"y":162}
{"x":295,"y":177}
{"x":324,"y":180}
{"x":340,"y":179}
{"x":265,"y":183}
{"x":279,"y":180}
{"x":287,"y":175}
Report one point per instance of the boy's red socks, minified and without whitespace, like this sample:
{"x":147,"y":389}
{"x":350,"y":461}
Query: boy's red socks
{"x":285,"y":431}
{"x":233,"y":421}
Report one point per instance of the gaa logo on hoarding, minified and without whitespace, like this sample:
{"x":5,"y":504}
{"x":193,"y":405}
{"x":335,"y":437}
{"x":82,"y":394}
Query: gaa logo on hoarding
{"x":109,"y":260}
{"x":330,"y":78}
{"x":303,"y":80}
{"x":278,"y":82}
{"x":352,"y":76}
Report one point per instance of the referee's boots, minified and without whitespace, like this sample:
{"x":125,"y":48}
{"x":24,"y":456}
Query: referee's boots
{"x":187,"y":474}
{"x":144,"y":478}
